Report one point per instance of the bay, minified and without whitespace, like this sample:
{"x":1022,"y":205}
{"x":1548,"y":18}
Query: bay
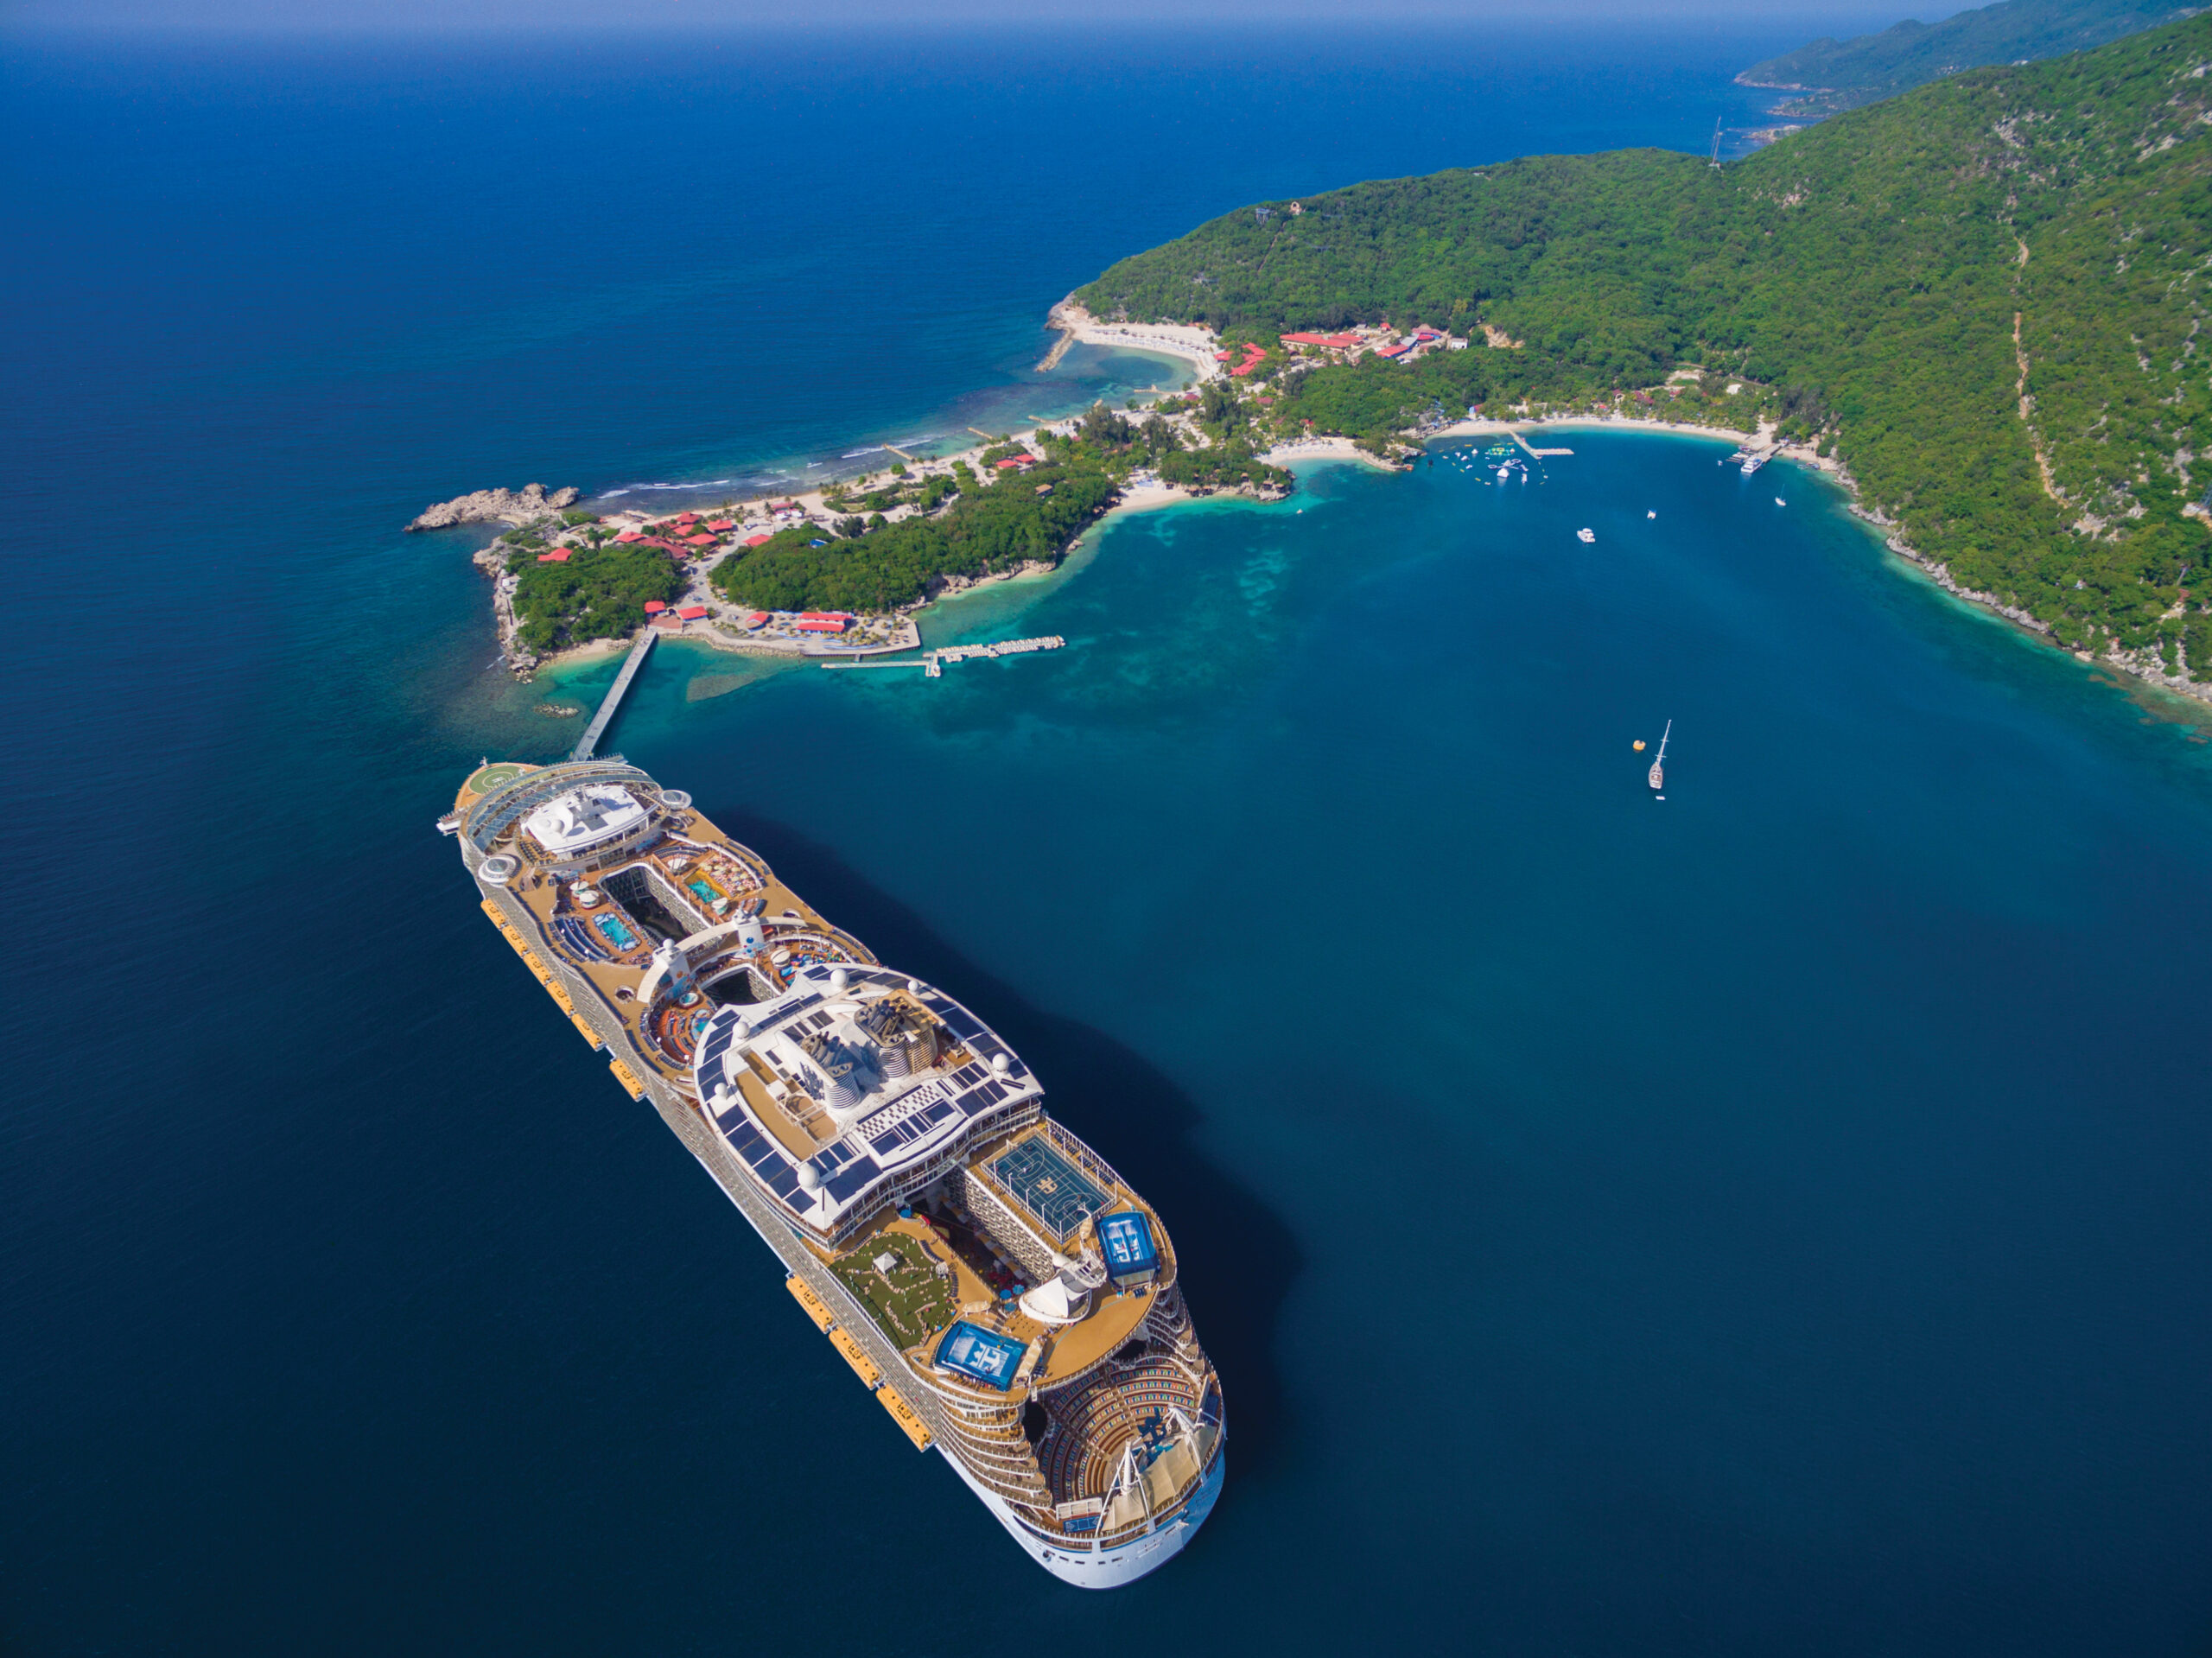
{"x":1768,"y":1219}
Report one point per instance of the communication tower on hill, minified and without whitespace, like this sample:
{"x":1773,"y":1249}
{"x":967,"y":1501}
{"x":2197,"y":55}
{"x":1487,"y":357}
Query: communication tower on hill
{"x":1716,"y":140}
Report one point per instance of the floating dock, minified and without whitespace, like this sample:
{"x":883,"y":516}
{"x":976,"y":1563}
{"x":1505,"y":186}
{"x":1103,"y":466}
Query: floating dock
{"x":597,"y":728}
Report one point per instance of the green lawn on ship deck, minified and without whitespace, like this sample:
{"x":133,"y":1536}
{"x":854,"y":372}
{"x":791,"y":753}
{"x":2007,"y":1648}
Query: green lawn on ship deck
{"x":910,"y":1301}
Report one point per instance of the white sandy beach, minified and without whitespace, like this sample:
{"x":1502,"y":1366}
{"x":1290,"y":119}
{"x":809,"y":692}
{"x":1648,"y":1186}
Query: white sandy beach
{"x":1760,"y":442}
{"x":1322,"y":448}
{"x":1194,"y":345}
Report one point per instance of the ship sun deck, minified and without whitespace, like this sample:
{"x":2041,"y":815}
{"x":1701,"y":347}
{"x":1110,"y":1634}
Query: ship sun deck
{"x":1067,"y":1349}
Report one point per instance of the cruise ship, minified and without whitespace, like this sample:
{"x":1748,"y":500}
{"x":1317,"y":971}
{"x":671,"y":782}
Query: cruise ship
{"x":1009,"y":1299}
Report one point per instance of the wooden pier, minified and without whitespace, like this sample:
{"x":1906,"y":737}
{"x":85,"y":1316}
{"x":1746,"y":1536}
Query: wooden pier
{"x":597,"y":728}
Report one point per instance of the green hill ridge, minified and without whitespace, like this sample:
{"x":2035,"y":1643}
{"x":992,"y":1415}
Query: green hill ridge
{"x":1842,"y":74}
{"x":1986,"y":296}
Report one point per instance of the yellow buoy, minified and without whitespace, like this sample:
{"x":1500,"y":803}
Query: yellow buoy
{"x":1639,"y":744}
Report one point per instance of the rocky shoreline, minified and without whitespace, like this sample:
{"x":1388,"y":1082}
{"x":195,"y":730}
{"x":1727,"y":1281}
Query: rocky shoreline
{"x":531,"y":502}
{"x":2144,"y":665}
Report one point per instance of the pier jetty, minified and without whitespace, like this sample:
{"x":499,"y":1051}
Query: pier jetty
{"x":932,"y":663}
{"x":1535,"y":452}
{"x":639,"y":651}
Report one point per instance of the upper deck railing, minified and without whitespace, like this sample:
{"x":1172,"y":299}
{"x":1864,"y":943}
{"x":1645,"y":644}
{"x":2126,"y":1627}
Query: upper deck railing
{"x":508,"y":804}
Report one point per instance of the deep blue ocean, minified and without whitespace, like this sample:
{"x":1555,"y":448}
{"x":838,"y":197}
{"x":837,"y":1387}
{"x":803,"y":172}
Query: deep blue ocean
{"x":1775,"y":1220}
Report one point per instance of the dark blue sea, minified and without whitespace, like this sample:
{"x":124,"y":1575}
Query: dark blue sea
{"x":1773,"y":1220}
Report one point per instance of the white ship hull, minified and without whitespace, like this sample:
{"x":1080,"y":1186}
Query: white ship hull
{"x":1124,"y":1563}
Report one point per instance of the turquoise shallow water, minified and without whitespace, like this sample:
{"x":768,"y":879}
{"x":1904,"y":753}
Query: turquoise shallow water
{"x":1771,"y":1220}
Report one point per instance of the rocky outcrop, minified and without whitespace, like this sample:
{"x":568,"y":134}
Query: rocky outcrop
{"x":496,"y":506}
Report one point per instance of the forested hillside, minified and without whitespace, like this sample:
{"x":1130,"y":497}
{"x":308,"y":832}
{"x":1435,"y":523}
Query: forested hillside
{"x":1872,"y":270}
{"x":1831,"y":75}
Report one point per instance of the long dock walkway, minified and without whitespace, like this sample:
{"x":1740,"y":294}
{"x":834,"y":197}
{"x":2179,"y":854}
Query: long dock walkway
{"x":646,"y":636}
{"x":932,"y":663}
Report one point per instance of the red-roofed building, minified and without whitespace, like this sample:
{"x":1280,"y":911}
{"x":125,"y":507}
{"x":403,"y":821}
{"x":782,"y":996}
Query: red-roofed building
{"x":687,"y":518}
{"x":558,"y":556}
{"x":1243,"y":369}
{"x":1016,"y":460}
{"x":1223,"y":356}
{"x":692,"y":612}
{"x":628,"y":536}
{"x":1393,"y":350}
{"x":754,"y":619}
{"x":698,"y":541}
{"x":722,"y":526}
{"x":653,"y":606}
{"x":756,"y":541}
{"x":821,"y":624}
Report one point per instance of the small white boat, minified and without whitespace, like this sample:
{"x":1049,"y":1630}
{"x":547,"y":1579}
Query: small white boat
{"x":1778,"y":501}
{"x":1658,"y":777}
{"x":1585,"y":537}
{"x":1651,"y":515}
